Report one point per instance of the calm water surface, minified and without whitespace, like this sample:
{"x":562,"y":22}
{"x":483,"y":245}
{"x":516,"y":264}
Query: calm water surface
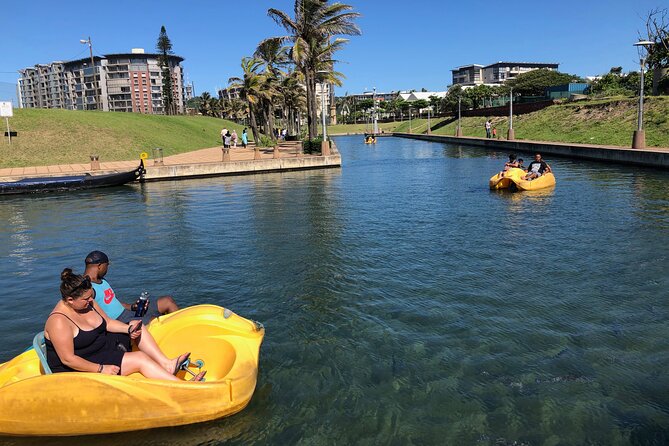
{"x":404,"y":302}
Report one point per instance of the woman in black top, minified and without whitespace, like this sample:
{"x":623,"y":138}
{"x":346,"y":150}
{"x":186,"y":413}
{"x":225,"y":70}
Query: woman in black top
{"x":77,"y":334}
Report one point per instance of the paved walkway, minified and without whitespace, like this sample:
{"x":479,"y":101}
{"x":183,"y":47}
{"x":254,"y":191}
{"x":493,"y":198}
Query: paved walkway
{"x":210,"y":155}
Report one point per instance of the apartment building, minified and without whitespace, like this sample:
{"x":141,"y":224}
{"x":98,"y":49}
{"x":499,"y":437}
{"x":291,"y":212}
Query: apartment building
{"x":496,"y":73}
{"x":124,"y":82}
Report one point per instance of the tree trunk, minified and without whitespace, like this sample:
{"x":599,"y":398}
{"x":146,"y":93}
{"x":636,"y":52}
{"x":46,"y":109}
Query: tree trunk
{"x":312,"y":116}
{"x":270,"y":118}
{"x":254,"y":125}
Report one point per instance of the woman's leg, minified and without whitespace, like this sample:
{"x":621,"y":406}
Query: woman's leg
{"x":140,"y":362}
{"x":148,"y":345}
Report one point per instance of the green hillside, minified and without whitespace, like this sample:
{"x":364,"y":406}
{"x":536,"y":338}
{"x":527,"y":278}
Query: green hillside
{"x":62,"y":136}
{"x":607,"y":122}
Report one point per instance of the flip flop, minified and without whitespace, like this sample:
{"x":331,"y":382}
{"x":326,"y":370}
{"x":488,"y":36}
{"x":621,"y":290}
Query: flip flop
{"x":181,"y":360}
{"x":199,"y":377}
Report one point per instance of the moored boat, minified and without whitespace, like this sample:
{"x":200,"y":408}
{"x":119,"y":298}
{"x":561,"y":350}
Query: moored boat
{"x":515,"y":178}
{"x":73,"y":182}
{"x":35,"y":403}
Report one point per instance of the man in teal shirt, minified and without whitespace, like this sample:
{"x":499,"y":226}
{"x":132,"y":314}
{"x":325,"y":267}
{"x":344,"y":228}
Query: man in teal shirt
{"x":97,"y":265}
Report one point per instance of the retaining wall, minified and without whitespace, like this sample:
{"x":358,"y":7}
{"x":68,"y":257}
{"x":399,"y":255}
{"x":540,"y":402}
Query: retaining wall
{"x":653,"y":157}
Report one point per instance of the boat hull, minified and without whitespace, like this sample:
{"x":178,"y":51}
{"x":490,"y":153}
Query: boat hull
{"x":68,"y":404}
{"x":516,"y":178}
{"x":70,"y":183}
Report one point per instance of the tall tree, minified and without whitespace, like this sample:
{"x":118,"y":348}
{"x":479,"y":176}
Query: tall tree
{"x":250,"y":89}
{"x":164,"y":47}
{"x":314,"y":24}
{"x":535,"y":82}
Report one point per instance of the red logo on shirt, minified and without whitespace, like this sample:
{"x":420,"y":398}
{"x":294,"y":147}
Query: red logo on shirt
{"x":109,"y":295}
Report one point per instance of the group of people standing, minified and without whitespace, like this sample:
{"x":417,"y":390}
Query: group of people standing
{"x":230,"y":139}
{"x":490,"y":131}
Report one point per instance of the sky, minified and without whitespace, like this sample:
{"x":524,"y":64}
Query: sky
{"x":404,"y":44}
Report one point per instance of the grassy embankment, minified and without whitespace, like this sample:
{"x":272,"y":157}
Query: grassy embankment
{"x":48,"y":137}
{"x":606,"y":121}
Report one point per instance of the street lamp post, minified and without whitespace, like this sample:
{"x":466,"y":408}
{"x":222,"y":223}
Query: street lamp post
{"x":639,"y":137}
{"x":325,"y":145}
{"x":511,"y":135}
{"x":409,"y":119}
{"x":458,"y":129}
{"x":95,"y":79}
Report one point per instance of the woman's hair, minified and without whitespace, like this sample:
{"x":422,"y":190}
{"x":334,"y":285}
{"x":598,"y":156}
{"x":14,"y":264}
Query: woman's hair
{"x":73,"y":285}
{"x":512,"y":157}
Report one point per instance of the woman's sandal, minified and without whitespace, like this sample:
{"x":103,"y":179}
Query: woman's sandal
{"x":199,"y":377}
{"x":181,"y":360}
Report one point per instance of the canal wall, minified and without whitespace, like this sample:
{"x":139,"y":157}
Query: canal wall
{"x":243,"y":167}
{"x":651,"y":157}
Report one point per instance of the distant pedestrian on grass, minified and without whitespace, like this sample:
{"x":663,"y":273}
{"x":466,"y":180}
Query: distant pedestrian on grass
{"x":245,"y":138}
{"x":494,"y":132}
{"x":234,"y":138}
{"x":487,"y":128}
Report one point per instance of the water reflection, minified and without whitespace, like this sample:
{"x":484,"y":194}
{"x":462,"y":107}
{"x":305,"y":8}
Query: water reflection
{"x":405,"y":303}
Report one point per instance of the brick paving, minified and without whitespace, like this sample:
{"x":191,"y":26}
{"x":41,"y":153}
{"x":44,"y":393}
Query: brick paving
{"x":210,"y":155}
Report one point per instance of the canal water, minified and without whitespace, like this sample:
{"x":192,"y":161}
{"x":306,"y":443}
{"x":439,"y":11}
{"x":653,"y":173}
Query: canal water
{"x":405,"y":303}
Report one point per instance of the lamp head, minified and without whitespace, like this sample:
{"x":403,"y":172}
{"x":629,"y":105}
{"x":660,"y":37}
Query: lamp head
{"x":83,"y":41}
{"x":644,"y":43}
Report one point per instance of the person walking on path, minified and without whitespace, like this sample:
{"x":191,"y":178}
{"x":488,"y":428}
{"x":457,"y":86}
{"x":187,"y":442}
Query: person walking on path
{"x":227,"y":140}
{"x":223,"y":132}
{"x":245,"y":138}
{"x":487,"y":128}
{"x":234,"y":138}
{"x":494,"y":132}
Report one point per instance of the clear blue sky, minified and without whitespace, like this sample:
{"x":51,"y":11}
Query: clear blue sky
{"x":404,"y":45}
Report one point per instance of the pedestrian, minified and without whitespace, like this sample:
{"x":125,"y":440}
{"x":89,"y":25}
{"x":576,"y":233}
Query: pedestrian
{"x":234,"y":138}
{"x":487,"y":128}
{"x":494,"y":132}
{"x":227,"y":140}
{"x":223,"y":132}
{"x":245,"y":138}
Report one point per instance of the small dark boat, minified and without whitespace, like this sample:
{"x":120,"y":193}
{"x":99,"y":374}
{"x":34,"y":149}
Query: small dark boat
{"x":69,"y":183}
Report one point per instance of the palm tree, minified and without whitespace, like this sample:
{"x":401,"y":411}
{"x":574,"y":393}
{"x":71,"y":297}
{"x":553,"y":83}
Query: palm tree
{"x":205,"y":103}
{"x":274,"y":56}
{"x":250,"y":89}
{"x":314,"y":24}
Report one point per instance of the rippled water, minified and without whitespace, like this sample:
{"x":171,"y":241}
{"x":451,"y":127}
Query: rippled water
{"x":404,"y":302}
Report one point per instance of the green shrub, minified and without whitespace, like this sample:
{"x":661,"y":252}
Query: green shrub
{"x":266,"y":141}
{"x":312,"y":145}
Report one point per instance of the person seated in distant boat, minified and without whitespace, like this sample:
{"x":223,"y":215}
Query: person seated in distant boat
{"x":520,"y":163}
{"x":509,"y":164}
{"x":537,"y":168}
{"x":78,"y":337}
{"x":97,"y":265}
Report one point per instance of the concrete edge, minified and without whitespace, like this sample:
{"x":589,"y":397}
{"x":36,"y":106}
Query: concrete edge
{"x":657,"y":158}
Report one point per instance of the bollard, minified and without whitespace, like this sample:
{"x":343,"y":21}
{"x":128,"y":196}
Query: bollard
{"x":276,"y":153}
{"x":226,"y":154}
{"x":325,"y":148}
{"x":256,"y":153}
{"x":157,"y":156}
{"x":95,"y":162}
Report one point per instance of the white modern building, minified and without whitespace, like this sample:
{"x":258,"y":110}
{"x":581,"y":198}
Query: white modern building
{"x":496,"y":73}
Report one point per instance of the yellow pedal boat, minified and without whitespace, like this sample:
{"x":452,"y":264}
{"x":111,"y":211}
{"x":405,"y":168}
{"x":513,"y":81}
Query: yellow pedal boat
{"x":516,"y":178}
{"x":35,"y":403}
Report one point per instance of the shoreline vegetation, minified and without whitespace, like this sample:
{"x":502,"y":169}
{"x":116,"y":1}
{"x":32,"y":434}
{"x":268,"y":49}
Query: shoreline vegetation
{"x":603,"y":122}
{"x":47,"y":137}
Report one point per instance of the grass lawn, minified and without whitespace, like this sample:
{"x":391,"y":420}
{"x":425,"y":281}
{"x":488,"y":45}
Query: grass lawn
{"x":340,"y":129}
{"x":48,"y":137}
{"x":607,"y":122}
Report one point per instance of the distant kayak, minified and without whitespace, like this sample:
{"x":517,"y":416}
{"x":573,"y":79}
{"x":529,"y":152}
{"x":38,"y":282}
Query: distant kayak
{"x":516,"y":178}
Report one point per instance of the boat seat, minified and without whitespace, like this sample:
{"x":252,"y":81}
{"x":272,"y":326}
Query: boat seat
{"x":40,"y":348}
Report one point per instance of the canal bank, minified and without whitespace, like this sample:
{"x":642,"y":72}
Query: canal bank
{"x":202,"y":163}
{"x":651,"y":157}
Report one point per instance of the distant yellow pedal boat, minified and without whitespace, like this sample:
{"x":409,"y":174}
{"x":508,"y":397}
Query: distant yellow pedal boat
{"x":227,"y":346}
{"x":516,"y":178}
